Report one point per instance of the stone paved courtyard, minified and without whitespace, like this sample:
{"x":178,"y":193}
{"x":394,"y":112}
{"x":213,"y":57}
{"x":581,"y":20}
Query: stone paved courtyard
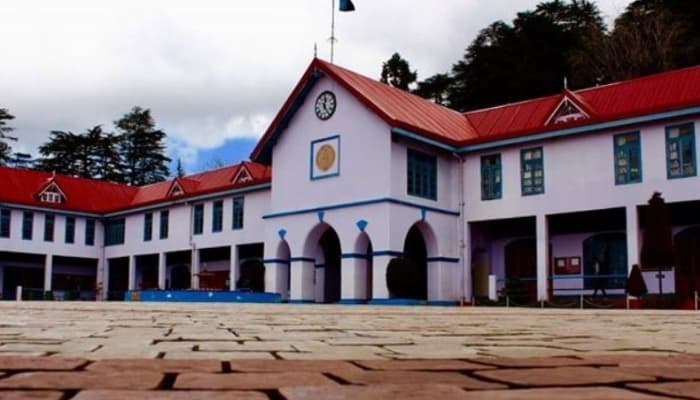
{"x":64,"y":350}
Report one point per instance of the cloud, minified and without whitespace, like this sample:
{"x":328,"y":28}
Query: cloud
{"x":211,"y":72}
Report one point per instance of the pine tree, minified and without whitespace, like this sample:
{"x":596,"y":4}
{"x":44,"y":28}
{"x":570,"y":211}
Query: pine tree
{"x":397,"y":72}
{"x":61,"y":154}
{"x":5,"y":148}
{"x":142,"y":148}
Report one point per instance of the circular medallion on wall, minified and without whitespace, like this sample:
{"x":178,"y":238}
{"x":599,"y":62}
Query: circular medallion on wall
{"x":325,"y":157}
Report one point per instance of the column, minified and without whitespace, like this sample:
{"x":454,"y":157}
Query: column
{"x":466,"y":291}
{"x":302,"y":280}
{"x":379,"y":289}
{"x":161,"y":270}
{"x":233,"y":269}
{"x":444,"y":280}
{"x":542,"y":234}
{"x":351,"y":278}
{"x":632,"y":224}
{"x":48,"y":272}
{"x":132,"y":272}
{"x":105,"y":279}
{"x":100,"y":279}
{"x":195,"y":269}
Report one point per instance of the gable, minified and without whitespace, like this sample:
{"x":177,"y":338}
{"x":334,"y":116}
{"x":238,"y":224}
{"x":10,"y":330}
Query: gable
{"x":175,"y":189}
{"x":242,"y":176}
{"x":567,"y":111}
{"x":52,"y":193}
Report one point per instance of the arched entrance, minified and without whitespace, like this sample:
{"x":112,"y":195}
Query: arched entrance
{"x":329,"y":244}
{"x":408,"y":278}
{"x":364,"y":266}
{"x":284,"y":276}
{"x":609,"y":250}
{"x":686,"y":247}
{"x":521,"y":270}
{"x":180,"y":277}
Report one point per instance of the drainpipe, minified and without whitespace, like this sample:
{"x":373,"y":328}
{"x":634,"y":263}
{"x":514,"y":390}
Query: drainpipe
{"x":193,"y":245}
{"x":462,"y":226}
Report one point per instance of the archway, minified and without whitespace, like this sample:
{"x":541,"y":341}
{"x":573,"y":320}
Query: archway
{"x":521,"y":269}
{"x":686,"y":246}
{"x":411,"y":280}
{"x":329,"y":244}
{"x":364,"y":266}
{"x":609,"y":250}
{"x":284,"y":277}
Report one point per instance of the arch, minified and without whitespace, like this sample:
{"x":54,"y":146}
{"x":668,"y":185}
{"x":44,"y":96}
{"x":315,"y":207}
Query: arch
{"x":408,"y":278}
{"x":323,"y":245}
{"x":283,"y":254}
{"x":609,"y":250}
{"x":686,"y":248}
{"x":365,"y":265}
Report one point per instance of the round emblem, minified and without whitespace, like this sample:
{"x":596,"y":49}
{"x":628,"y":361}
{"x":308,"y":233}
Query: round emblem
{"x":325,"y":105}
{"x":325,"y":157}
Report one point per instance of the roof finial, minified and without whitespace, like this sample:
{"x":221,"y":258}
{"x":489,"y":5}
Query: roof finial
{"x":566,"y":84}
{"x":53,"y":174}
{"x":315,"y":50}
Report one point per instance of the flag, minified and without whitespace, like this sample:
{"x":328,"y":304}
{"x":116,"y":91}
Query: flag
{"x":346,"y":5}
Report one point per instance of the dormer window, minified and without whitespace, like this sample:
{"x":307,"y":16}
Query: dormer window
{"x":567,"y":112}
{"x":176,"y":190}
{"x":52,"y":194}
{"x":243,"y":176}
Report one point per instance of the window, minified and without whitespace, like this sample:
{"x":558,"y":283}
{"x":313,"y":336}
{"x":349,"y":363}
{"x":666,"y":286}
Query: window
{"x":237,"y":213}
{"x":164,"y":219}
{"x":70,"y":229}
{"x":491,"y":177}
{"x":628,"y":158}
{"x":422,"y":175}
{"x":147,"y":227}
{"x":217,"y":221}
{"x":114,"y":231}
{"x":531,"y":171}
{"x":90,"y":232}
{"x":198,"y":219}
{"x":27,"y":225}
{"x":52,"y":194}
{"x":5,"y":218}
{"x":680,"y":151}
{"x":48,"y":227}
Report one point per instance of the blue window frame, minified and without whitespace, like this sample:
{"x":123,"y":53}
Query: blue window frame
{"x":237,"y":213}
{"x":90,"y":232}
{"x":114,"y":231}
{"x":5,"y":220}
{"x":491,"y":185}
{"x":70,"y":230}
{"x":27,"y":225}
{"x":198,"y":222}
{"x":628,"y":158}
{"x":49,"y":220}
{"x":147,"y":227}
{"x":164,"y":223}
{"x":217,"y":221}
{"x":680,"y":151}
{"x":421,"y":174}
{"x":532,"y":171}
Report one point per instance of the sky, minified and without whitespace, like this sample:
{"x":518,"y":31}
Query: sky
{"x":213,"y":72}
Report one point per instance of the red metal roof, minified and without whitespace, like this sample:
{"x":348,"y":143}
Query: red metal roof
{"x":21,"y":186}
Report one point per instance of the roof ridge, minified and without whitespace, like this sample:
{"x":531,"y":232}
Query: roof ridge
{"x":639,"y":78}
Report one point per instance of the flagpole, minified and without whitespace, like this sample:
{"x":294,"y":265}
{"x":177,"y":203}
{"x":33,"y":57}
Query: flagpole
{"x":332,"y":28}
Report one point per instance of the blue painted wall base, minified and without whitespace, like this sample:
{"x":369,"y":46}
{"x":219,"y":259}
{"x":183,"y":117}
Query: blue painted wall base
{"x":202,"y":296}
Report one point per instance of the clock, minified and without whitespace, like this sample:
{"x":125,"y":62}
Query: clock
{"x":325,"y":105}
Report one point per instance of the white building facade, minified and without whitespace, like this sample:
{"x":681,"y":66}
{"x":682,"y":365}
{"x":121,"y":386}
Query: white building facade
{"x":542,"y":198}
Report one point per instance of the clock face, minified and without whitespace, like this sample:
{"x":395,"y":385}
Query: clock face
{"x":325,"y":105}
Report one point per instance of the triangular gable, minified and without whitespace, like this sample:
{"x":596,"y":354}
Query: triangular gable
{"x":242,"y":175}
{"x":52,"y":193}
{"x":175,"y":189}
{"x":567,"y":110}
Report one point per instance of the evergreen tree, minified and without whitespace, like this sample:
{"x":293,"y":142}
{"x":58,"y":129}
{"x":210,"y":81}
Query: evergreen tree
{"x":397,"y":73}
{"x":62,"y":154}
{"x":5,"y":148}
{"x":435,"y":88}
{"x":21,"y":160}
{"x":142,"y":148}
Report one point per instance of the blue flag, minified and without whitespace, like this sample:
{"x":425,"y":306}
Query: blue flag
{"x":346,"y":5}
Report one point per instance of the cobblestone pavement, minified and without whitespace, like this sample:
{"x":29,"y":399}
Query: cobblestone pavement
{"x":64,"y":350}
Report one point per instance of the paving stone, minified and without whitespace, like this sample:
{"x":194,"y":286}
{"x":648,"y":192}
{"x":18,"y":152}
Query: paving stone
{"x":17,"y":363}
{"x":83,"y":380}
{"x":564,"y":376}
{"x":422,"y":365}
{"x":645,"y":360}
{"x":247,"y":346}
{"x":667,"y":373}
{"x":271,"y":380}
{"x":540,"y":362}
{"x":587,"y":393}
{"x":30,"y":395}
{"x":219,"y":355}
{"x":171,"y":366}
{"x":375,"y":392}
{"x":689,"y":390}
{"x":291,"y":365}
{"x":168,"y":395}
{"x":414,"y":377}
